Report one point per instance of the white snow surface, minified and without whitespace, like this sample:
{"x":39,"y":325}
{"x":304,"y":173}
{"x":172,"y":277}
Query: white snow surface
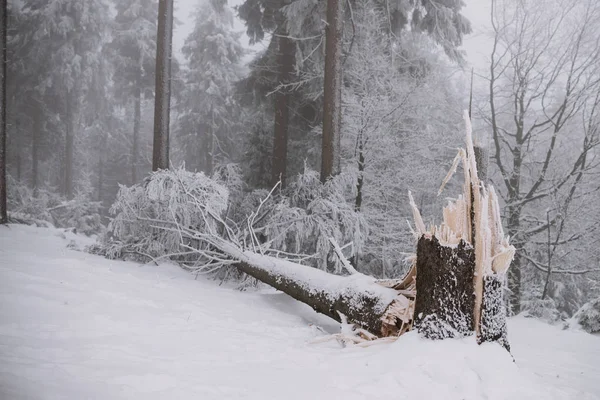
{"x":77,"y":326}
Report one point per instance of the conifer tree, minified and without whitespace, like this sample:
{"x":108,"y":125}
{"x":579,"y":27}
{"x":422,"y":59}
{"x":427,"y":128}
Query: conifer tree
{"x":208,"y":107}
{"x":133,"y":50}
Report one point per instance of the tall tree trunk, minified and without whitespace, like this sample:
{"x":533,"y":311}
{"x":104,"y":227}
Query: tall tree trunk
{"x":35,"y":145}
{"x":210,"y":146}
{"x":162,"y":100}
{"x":69,"y":150}
{"x":282,"y":107}
{"x":514,"y":273}
{"x":135,"y":148}
{"x":19,"y":146}
{"x":3,"y":30}
{"x":100,"y":177}
{"x":332,"y":96}
{"x":360,"y":180}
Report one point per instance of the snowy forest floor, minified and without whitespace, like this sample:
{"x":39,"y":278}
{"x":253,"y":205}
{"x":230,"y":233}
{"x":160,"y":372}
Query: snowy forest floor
{"x":77,"y":326}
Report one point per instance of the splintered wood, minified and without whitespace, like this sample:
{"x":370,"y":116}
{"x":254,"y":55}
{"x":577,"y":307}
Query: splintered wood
{"x":473,"y":217}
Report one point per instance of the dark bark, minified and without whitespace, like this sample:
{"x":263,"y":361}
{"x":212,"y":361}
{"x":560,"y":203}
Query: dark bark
{"x":360,"y":180}
{"x":162,"y":98}
{"x":492,"y":327}
{"x":100,"y":177}
{"x":69,"y":150}
{"x":286,"y":59}
{"x":362,"y":307}
{"x":210,"y":145}
{"x":137,"y":116}
{"x":3,"y":32}
{"x":332,"y":99}
{"x":35,"y":147}
{"x":445,"y":301}
{"x":19,"y":159}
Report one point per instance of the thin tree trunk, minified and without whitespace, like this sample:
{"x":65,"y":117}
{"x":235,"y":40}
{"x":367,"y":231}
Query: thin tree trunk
{"x":360,"y":180}
{"x":100,"y":176}
{"x":514,"y":273}
{"x":3,"y":32}
{"x":282,"y":108}
{"x":19,"y":157}
{"x":210,"y":146}
{"x":332,"y":90}
{"x":135,"y":148}
{"x":69,"y":144}
{"x":35,"y":138}
{"x":162,"y":101}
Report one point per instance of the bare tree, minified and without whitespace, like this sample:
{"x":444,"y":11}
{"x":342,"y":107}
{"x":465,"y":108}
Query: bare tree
{"x":3,"y":30}
{"x":544,"y":69}
{"x":162,"y":99}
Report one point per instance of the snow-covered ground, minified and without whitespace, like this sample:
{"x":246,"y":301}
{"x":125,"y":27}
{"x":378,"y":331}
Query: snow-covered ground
{"x":77,"y":326}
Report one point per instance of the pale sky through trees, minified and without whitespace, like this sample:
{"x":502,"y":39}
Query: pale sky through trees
{"x":475,"y":44}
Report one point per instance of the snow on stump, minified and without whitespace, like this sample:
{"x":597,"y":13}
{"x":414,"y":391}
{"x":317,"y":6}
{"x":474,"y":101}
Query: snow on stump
{"x":492,"y":326}
{"x":445,"y":299}
{"x":462,"y":263}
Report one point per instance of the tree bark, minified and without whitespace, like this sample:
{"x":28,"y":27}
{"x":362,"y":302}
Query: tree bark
{"x":444,"y":306}
{"x":285,"y":63}
{"x":162,"y":98}
{"x":332,"y":96}
{"x":360,"y":180}
{"x":18,"y":156}
{"x":3,"y":33}
{"x":492,"y":327}
{"x":358,"y":297}
{"x":69,"y":149}
{"x":210,"y":145}
{"x":35,"y":150}
{"x":135,"y":148}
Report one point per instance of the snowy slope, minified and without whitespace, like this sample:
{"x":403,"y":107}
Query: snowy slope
{"x":77,"y":326}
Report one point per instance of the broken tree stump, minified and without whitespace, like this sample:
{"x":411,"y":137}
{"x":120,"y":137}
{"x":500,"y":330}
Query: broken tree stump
{"x":445,"y":300}
{"x":492,"y":326}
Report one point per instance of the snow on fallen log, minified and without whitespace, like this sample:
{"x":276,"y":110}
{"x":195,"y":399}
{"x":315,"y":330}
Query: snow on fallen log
{"x":380,"y":310}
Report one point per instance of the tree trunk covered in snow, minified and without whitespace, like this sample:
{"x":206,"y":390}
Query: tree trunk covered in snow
{"x":3,"y":31}
{"x":445,"y":300}
{"x":162,"y":101}
{"x":362,"y":306}
{"x":332,"y":95}
{"x":493,"y":312}
{"x":285,"y":64}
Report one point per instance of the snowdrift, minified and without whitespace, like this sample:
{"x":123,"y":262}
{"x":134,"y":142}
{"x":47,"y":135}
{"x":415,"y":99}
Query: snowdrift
{"x":75,"y":325}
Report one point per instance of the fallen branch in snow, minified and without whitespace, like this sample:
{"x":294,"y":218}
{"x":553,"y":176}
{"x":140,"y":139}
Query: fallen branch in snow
{"x":338,"y":251}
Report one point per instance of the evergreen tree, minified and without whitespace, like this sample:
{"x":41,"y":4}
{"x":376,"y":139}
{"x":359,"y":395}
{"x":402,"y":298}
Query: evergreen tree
{"x":133,"y":50}
{"x":65,"y":42}
{"x":294,"y":73}
{"x":208,"y":107}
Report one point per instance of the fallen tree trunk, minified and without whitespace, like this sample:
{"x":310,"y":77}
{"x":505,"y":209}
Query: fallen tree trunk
{"x":382,"y":311}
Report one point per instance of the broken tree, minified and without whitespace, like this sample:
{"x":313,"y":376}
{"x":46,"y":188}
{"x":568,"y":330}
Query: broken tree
{"x":454,"y":286}
{"x":462,"y":263}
